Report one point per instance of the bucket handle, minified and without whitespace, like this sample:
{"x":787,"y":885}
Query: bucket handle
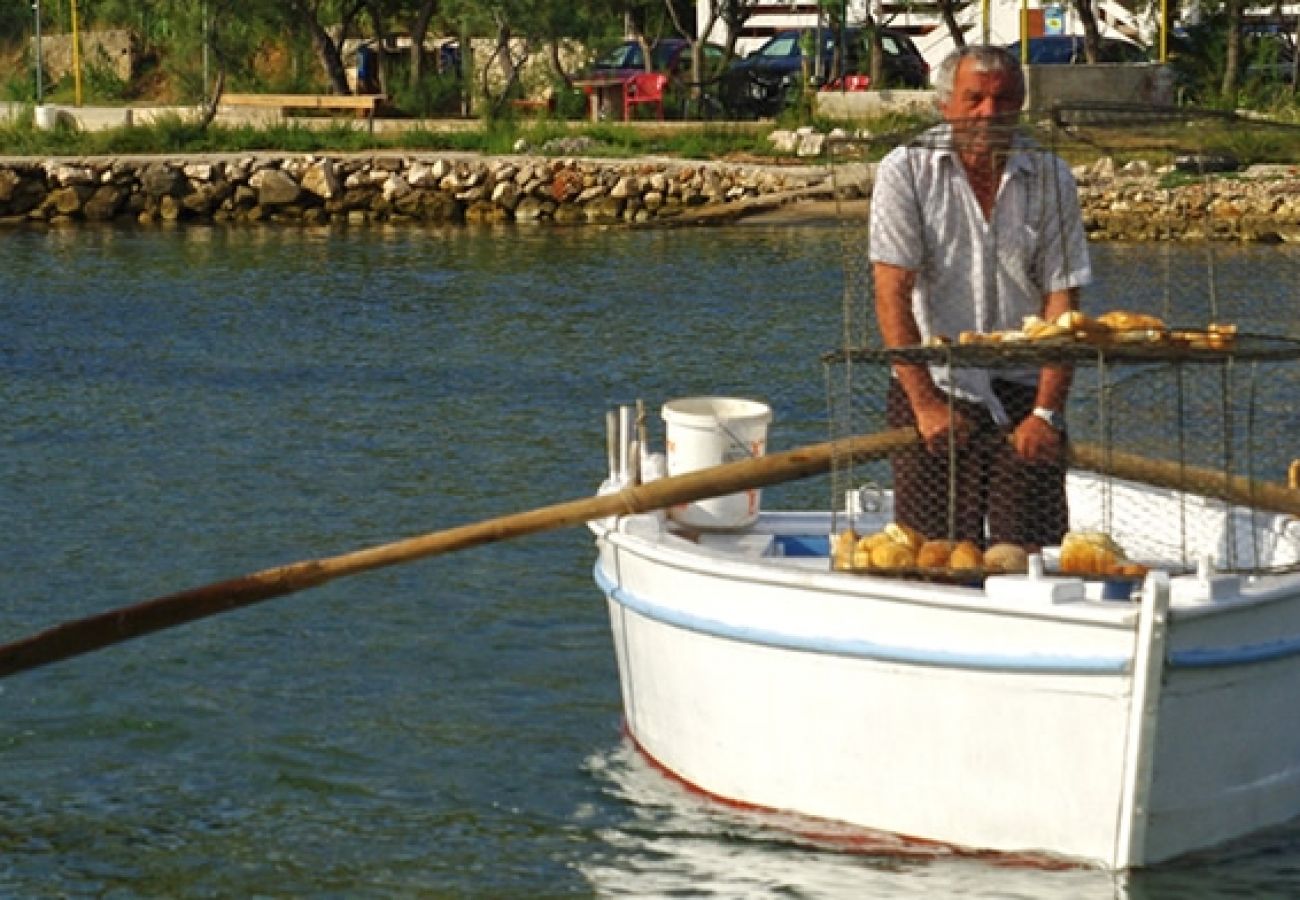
{"x":737,"y":442}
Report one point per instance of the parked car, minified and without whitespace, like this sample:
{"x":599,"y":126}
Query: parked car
{"x":669,"y":55}
{"x":767,"y":80}
{"x":1066,"y":49}
{"x":1270,"y":55}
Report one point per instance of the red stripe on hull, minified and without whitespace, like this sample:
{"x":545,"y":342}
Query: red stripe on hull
{"x":827,"y":834}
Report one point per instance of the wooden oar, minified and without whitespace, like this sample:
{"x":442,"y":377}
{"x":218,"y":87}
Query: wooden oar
{"x":115,"y":626}
{"x":95,"y":632}
{"x":1236,"y":489}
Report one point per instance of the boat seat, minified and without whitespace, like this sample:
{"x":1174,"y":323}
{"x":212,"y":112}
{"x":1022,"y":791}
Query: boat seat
{"x":749,"y":544}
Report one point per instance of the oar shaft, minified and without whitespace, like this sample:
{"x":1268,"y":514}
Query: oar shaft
{"x":115,"y":626}
{"x":1236,"y":489}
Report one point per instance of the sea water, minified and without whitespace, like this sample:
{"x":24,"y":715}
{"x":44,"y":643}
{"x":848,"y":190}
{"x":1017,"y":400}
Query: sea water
{"x":189,"y":405}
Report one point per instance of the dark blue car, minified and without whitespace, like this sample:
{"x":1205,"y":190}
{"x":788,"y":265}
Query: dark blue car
{"x":1067,"y":49}
{"x":766,"y":81}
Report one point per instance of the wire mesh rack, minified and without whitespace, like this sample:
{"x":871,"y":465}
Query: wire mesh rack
{"x":1181,"y":425}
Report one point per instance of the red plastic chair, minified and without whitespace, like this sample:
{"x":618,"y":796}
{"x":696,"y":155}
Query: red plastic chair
{"x":644,"y":88}
{"x":849,"y":83}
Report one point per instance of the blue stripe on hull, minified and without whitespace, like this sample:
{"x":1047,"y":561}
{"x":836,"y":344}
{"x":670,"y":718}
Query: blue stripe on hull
{"x":860,"y":649}
{"x":1245,"y":655}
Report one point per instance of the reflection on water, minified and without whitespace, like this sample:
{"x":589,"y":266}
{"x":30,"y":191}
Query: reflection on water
{"x":676,"y":842}
{"x":680,"y":843}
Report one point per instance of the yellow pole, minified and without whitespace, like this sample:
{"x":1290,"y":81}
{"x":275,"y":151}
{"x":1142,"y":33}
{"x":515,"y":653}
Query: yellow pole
{"x":76,"y":56}
{"x":984,"y":21}
{"x":1164,"y":31}
{"x":1024,"y":32}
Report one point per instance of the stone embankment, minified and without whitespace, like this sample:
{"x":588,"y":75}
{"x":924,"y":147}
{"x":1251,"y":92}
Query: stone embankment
{"x":1136,"y":202}
{"x":361,"y":190}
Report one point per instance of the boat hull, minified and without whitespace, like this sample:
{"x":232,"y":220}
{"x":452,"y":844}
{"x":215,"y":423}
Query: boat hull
{"x":1014,"y":717}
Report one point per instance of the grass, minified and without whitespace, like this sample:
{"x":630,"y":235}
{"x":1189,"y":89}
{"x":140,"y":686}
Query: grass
{"x":1246,"y":140}
{"x":172,"y":134}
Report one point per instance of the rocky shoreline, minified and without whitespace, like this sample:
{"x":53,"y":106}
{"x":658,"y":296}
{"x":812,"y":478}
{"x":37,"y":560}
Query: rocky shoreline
{"x":359,"y":190}
{"x":1258,"y":204}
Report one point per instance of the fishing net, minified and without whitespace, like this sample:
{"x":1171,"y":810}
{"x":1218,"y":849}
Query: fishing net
{"x":1183,"y":357}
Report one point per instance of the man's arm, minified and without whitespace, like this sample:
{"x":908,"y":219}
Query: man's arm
{"x":898,"y":329}
{"x":1034,"y":439}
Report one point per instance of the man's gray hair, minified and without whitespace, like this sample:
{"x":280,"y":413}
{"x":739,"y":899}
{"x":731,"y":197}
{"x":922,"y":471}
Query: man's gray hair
{"x":984,"y":57}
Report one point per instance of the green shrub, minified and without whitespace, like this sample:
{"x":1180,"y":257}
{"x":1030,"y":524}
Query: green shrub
{"x":434,"y":96}
{"x":101,"y":82}
{"x":19,"y":84}
{"x":569,"y":103}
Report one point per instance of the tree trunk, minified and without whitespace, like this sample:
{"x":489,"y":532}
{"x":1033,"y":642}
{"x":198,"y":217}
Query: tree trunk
{"x":876,"y":47}
{"x":377,"y":26}
{"x":509,"y":69}
{"x":212,"y":44}
{"x":467,"y":70}
{"x":695,"y":91}
{"x":948,"y":13}
{"x":210,"y":107}
{"x":1232,"y":51}
{"x":1091,"y":35}
{"x":557,"y":64}
{"x":326,"y":50}
{"x":419,"y":31}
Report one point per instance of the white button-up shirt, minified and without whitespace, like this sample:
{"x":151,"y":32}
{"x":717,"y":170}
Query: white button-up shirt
{"x":972,"y":273}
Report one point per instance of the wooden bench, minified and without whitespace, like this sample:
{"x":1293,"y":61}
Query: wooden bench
{"x":533,"y":106}
{"x":285,"y":103}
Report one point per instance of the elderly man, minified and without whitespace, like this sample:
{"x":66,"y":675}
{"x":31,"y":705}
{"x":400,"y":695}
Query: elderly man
{"x":973,"y":228}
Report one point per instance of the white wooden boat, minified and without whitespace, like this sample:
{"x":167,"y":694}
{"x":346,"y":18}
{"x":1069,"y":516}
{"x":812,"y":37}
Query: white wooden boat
{"x":1026,"y":714}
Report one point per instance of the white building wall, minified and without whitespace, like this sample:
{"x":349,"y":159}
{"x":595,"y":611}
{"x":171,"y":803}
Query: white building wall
{"x":926,"y":28}
{"x":771,"y":16}
{"x":1004,"y":25}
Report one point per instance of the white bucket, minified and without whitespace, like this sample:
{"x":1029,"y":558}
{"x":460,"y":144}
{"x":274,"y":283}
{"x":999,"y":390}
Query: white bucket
{"x":703,"y":432}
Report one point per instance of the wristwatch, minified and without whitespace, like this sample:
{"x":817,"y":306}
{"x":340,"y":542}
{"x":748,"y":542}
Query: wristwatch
{"x":1051,"y":417}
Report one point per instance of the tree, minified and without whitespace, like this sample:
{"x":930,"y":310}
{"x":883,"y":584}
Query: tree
{"x":733,"y":14}
{"x":420,"y":20}
{"x":948,"y":12}
{"x":312,"y":15}
{"x":1232,"y":58}
{"x":1091,"y":34}
{"x":518,"y":28}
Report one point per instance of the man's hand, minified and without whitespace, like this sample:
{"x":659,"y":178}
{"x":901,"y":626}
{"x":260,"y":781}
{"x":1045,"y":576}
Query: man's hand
{"x":1036,"y":441}
{"x":933,"y":423}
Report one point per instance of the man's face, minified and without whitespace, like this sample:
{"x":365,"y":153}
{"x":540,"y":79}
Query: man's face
{"x":982,"y":107}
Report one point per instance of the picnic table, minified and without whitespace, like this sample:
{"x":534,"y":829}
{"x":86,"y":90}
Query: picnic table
{"x":604,"y":95}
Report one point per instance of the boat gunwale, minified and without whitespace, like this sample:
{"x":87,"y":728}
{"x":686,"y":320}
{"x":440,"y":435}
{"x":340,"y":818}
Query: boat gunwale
{"x":687,"y":555}
{"x":924,"y":657}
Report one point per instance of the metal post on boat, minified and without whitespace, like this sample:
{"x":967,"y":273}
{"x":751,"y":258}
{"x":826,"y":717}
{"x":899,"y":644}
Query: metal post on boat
{"x":1139,"y":753}
{"x":634,"y":463}
{"x":624,"y":442}
{"x":642,"y":442}
{"x":611,"y":443}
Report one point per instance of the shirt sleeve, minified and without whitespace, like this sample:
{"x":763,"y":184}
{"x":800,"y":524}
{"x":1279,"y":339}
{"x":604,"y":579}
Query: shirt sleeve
{"x":1065,"y":253}
{"x":895,"y":235}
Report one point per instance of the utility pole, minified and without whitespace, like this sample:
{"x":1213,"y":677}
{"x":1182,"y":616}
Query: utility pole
{"x":76,"y":54}
{"x":40,"y":87}
{"x":204,"y":6}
